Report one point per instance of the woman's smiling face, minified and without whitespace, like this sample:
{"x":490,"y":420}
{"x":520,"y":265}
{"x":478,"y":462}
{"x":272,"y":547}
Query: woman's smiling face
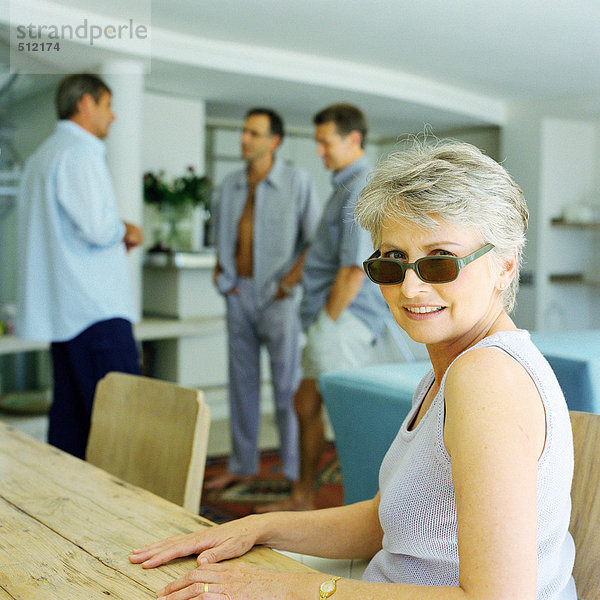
{"x":443,"y":313}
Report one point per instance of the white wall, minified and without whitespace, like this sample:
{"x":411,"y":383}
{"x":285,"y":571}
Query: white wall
{"x":567,"y":173}
{"x":485,"y":138}
{"x":173,"y":139}
{"x":551,"y":150}
{"x":173,"y":136}
{"x":521,"y":151}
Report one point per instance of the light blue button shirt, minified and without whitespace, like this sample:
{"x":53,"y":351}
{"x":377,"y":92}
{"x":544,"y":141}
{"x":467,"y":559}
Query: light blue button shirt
{"x":341,"y":242}
{"x":72,"y":265}
{"x":286,"y":214}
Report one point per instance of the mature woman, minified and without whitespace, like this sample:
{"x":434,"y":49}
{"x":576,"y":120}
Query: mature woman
{"x":474,"y":491}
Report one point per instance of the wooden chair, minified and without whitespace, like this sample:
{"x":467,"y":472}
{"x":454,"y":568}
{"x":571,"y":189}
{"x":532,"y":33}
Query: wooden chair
{"x":585,"y":498}
{"x":152,"y":434}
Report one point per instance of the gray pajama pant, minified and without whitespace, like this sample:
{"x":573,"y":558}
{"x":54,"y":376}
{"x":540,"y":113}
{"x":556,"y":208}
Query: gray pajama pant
{"x":278,"y":328}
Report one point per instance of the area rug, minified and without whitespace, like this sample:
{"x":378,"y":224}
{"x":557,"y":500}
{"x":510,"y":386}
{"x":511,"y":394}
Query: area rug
{"x":269,"y":486}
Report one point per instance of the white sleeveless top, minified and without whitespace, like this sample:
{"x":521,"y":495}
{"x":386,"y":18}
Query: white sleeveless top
{"x":418,"y":510}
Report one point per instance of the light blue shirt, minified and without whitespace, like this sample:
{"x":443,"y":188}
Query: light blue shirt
{"x":341,"y":242}
{"x":72,"y":265}
{"x":286,"y":214}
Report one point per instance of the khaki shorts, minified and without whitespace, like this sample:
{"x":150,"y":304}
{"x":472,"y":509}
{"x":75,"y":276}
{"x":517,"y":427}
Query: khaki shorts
{"x":343,"y":344}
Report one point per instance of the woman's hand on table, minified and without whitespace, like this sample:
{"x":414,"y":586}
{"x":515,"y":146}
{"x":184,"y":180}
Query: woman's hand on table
{"x":239,"y":581}
{"x":212,"y":544}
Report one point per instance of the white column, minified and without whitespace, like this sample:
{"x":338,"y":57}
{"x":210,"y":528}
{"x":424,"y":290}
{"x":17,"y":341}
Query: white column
{"x":124,"y":155}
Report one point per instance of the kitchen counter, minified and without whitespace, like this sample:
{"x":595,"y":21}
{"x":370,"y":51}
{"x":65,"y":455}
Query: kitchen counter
{"x":179,"y":284}
{"x":205,"y":259}
{"x":148,"y":329}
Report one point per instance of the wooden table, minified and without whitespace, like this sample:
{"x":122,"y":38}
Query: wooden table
{"x":67,"y":528}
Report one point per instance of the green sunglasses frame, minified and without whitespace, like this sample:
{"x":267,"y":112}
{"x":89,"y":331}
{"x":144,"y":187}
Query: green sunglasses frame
{"x":459,"y":261}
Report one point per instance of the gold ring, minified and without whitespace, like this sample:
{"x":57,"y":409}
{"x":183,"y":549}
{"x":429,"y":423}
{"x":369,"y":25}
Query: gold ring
{"x":206,"y":588}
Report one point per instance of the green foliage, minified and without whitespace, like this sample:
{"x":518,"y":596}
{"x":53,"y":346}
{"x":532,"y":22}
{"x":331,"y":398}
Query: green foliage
{"x":189,"y":189}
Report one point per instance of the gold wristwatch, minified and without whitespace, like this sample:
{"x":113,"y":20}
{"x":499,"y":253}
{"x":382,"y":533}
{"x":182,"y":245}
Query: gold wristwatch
{"x":328,"y":588}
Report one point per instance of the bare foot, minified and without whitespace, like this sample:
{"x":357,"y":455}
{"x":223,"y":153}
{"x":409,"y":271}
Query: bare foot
{"x":291,"y":503}
{"x":224,"y":481}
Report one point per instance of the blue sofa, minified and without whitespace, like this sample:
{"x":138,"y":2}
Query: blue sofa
{"x":366,"y":407}
{"x":575,"y":358}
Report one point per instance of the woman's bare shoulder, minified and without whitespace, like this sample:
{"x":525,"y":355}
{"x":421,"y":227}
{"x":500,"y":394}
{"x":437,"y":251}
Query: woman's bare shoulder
{"x":490,"y":367}
{"x":488,"y":388}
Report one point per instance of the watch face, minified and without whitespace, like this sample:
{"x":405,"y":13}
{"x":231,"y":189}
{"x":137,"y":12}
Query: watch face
{"x":328,"y":586}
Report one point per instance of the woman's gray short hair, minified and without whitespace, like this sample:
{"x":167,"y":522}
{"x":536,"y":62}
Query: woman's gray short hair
{"x":456,"y":182}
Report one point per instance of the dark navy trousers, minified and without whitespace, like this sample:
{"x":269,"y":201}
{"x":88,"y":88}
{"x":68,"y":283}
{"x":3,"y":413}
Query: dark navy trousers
{"x":77,"y":366}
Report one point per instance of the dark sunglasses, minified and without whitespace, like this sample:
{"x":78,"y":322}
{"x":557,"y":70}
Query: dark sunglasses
{"x":430,"y":269}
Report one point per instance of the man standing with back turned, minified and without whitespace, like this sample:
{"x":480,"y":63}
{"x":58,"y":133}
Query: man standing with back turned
{"x":344,"y":313}
{"x":74,"y":286}
{"x":265,"y":219}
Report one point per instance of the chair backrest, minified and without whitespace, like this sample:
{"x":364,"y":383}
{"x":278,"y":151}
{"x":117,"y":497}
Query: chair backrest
{"x":152,"y":434}
{"x":585,"y":499}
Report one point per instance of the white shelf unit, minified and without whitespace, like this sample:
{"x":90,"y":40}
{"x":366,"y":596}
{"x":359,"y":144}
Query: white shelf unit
{"x":567,"y":267}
